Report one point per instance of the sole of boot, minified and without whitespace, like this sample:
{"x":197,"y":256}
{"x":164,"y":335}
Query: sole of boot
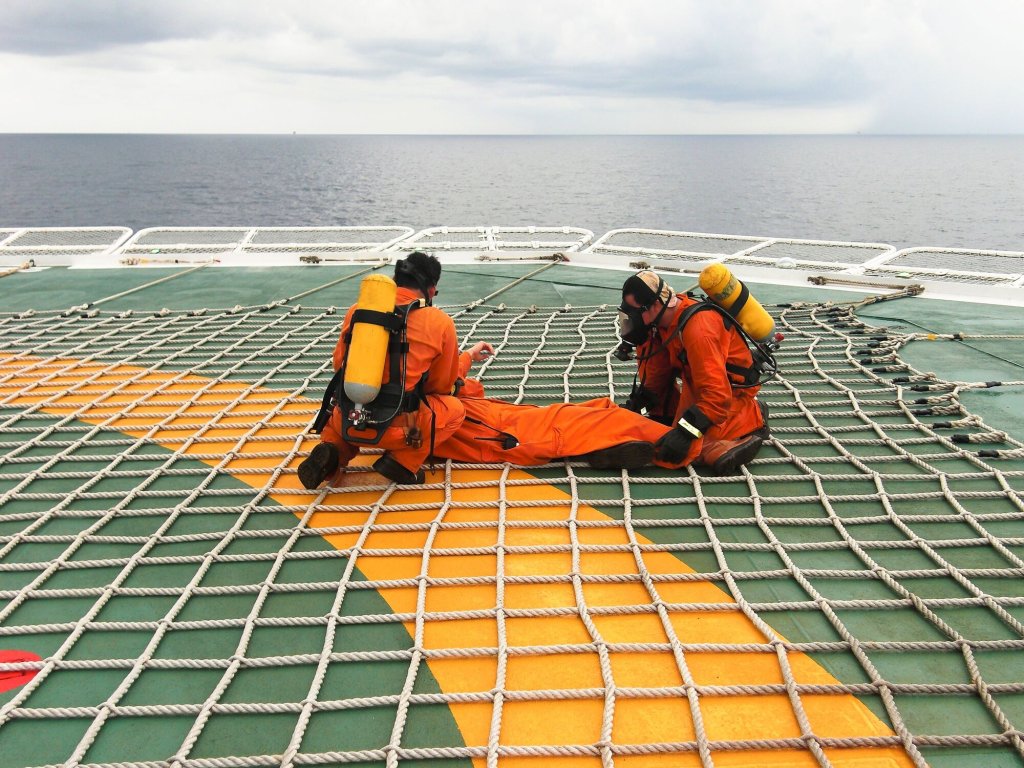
{"x":321,"y":463}
{"x":396,"y":473}
{"x":730,"y":461}
{"x":631,"y":455}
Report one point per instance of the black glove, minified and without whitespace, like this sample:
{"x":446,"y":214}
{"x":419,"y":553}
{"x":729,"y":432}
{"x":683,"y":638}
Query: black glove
{"x":624,"y":352}
{"x":672,"y":446}
{"x":632,"y":404}
{"x":638,"y":400}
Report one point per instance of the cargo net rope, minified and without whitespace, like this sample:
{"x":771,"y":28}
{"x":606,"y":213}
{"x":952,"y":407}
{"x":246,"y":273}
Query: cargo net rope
{"x":171,"y":596}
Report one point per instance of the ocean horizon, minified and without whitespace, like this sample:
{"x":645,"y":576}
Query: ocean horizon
{"x":905,"y":190}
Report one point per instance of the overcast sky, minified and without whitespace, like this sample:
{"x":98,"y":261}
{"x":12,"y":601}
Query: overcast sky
{"x":523,"y":66}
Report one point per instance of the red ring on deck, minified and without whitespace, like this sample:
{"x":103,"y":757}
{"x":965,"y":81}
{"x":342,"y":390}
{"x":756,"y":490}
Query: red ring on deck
{"x":15,"y":678}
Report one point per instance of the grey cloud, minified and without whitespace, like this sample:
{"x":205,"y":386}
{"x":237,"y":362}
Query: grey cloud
{"x":689,"y":56}
{"x":60,"y":27}
{"x":56,"y":28}
{"x":696,"y":74}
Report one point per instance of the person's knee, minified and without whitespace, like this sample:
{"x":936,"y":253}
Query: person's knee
{"x":447,"y":413}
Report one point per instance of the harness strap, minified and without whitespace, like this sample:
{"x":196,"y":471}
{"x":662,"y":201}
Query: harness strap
{"x":741,"y":301}
{"x":390,"y":320}
{"x":749,"y":373}
{"x":327,"y":404}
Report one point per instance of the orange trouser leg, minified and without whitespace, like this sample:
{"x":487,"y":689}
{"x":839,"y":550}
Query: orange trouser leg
{"x":599,"y":424}
{"x":448,"y":414}
{"x":442,"y":413}
{"x":332,"y":434}
{"x":546,"y":433}
{"x":744,"y":417}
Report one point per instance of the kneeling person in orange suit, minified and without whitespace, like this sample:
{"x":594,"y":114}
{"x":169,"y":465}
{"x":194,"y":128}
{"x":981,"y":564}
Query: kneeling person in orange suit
{"x":597,"y":431}
{"x":428,"y":413}
{"x":696,"y":373}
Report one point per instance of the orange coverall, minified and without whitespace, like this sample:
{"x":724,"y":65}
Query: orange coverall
{"x":705,"y":395}
{"x":539,"y":433}
{"x":434,"y":351}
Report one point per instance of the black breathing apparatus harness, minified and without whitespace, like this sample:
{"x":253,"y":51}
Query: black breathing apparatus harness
{"x":393,"y":399}
{"x":763,"y":367}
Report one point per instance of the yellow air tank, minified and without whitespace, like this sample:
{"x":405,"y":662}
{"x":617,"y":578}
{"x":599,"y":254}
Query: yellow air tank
{"x":368,"y":350}
{"x":723,"y":288}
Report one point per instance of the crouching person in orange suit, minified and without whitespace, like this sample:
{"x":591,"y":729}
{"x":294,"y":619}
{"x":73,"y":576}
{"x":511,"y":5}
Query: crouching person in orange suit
{"x":430,"y":414}
{"x":597,"y":431}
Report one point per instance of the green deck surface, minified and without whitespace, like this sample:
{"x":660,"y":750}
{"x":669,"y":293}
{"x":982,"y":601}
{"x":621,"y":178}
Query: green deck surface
{"x":26,"y":742}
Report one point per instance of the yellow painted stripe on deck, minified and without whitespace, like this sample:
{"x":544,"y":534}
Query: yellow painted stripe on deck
{"x":135,"y":408}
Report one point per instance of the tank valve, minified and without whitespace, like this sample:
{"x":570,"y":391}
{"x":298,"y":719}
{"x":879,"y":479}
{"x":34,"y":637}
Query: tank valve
{"x":358,"y":416}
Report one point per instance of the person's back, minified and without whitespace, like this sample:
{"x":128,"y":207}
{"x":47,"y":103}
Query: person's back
{"x":430,"y":333}
{"x":708,"y":355}
{"x":427,"y":412}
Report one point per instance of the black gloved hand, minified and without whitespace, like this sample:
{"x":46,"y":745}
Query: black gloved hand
{"x":638,"y":400}
{"x":624,"y":352}
{"x":672,"y":446}
{"x":632,"y":404}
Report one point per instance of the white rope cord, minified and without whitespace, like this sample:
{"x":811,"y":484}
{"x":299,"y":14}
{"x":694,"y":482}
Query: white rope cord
{"x":678,"y":654}
{"x":859,"y":498}
{"x":587,"y":616}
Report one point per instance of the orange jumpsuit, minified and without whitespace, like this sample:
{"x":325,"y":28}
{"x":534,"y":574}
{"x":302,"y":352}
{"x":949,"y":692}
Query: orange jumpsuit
{"x":530,"y":435}
{"x":687,"y":375}
{"x":434,"y":351}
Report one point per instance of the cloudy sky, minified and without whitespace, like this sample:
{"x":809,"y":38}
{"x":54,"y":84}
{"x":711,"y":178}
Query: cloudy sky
{"x":522,"y":66}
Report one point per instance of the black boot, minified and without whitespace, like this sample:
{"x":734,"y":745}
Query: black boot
{"x":728,"y":456}
{"x":396,"y":473}
{"x":632,"y":455}
{"x":321,"y":463}
{"x":765,"y":432}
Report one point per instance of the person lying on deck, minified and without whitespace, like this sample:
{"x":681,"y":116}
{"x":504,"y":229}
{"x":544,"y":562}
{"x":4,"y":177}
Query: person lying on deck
{"x":596,"y":431}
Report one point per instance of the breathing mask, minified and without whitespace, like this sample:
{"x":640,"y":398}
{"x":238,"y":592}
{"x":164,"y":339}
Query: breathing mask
{"x":632,"y":327}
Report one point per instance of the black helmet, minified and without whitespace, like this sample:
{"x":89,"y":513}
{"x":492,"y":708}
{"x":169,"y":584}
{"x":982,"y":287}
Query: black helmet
{"x":418,"y":270}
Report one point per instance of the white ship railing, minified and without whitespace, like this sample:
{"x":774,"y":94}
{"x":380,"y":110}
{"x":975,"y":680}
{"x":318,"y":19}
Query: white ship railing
{"x":57,"y":246}
{"x":951,"y":264}
{"x":950,"y":273}
{"x":542,"y":240}
{"x":956,"y":273}
{"x":673,"y":248}
{"x":243,"y":246}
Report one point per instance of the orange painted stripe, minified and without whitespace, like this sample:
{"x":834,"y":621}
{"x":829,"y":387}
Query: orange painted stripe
{"x":135,"y":408}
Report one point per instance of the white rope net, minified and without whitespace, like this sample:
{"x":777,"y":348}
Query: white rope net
{"x":192,"y":606}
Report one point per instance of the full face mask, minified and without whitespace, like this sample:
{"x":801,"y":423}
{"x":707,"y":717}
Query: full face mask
{"x":632,"y":327}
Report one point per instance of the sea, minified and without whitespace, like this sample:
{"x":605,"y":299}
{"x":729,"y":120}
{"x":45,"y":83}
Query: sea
{"x":953,"y":191}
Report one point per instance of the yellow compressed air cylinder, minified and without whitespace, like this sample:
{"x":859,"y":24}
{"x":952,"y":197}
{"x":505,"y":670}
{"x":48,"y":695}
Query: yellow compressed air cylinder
{"x":368,"y":350}
{"x":723,"y":288}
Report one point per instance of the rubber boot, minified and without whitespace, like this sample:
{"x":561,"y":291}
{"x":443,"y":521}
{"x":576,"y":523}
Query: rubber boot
{"x":321,"y":463}
{"x":396,"y":473}
{"x":632,"y":455}
{"x":725,"y":457}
